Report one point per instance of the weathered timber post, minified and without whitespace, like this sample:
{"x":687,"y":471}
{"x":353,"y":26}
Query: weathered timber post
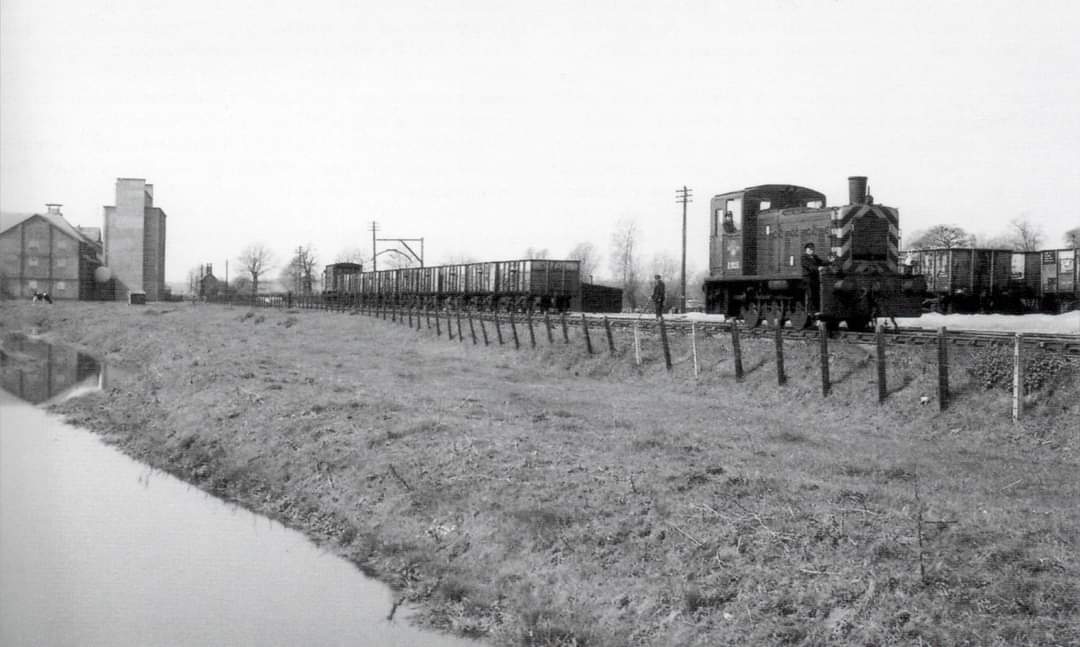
{"x":449,"y":326}
{"x":547,"y":325}
{"x":460,"y":337}
{"x":736,"y":350}
{"x":882,"y":386}
{"x":393,"y":315}
{"x":472,"y":329}
{"x":943,"y":369}
{"x":664,"y":342}
{"x":823,"y":335}
{"x":427,"y":315}
{"x":585,"y":331}
{"x":610,"y":338}
{"x":410,"y":318}
{"x":565,"y":332}
{"x":438,"y":325}
{"x":781,"y":376}
{"x":637,"y":345}
{"x":483,"y":329}
{"x":1018,"y":377}
{"x":513,"y":329}
{"x":532,"y":333}
{"x":498,"y":328}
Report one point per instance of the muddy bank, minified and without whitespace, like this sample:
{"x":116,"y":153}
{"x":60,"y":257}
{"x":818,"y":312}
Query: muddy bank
{"x":545,"y":498}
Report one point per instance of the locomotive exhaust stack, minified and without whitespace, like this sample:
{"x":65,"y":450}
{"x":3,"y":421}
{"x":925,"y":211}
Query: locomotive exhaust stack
{"x":857,"y":189}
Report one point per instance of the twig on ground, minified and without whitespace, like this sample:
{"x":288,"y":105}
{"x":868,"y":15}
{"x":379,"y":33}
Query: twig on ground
{"x":398,"y":477}
{"x":1011,"y":485}
{"x":685,"y":534}
{"x":393,"y":608}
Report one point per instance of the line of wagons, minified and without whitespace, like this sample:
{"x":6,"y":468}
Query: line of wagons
{"x":519,"y":285}
{"x":998,"y":280}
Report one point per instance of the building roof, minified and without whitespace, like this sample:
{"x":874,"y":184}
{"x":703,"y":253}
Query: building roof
{"x":9,"y":220}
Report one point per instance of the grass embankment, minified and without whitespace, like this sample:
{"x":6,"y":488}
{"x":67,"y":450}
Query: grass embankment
{"x":543,"y":497}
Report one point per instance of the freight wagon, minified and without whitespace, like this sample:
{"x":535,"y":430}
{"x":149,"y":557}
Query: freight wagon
{"x":967,"y":280}
{"x":533,"y":284}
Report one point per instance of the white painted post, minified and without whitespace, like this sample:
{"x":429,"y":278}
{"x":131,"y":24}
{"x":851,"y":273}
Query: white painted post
{"x":693,"y":346}
{"x":1018,"y":376}
{"x":637,"y":345}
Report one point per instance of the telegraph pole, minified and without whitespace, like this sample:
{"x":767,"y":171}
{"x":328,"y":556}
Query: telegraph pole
{"x":683,"y":195}
{"x":374,"y":263}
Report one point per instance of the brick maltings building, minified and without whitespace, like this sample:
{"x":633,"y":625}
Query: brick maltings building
{"x":135,"y":240}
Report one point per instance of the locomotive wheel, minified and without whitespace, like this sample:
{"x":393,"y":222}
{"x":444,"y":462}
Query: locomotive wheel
{"x":799,"y":317}
{"x":774,"y":315}
{"x":751,"y":316}
{"x":858,"y":324}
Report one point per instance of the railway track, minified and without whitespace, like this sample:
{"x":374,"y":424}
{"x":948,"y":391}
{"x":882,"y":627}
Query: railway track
{"x":1063,"y":344}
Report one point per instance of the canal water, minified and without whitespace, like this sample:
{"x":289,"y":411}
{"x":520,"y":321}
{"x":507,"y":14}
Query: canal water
{"x":98,"y":549}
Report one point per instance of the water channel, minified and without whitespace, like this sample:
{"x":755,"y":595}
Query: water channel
{"x":98,"y":549}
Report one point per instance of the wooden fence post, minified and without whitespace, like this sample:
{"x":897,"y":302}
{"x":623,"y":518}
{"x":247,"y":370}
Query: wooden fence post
{"x":393,"y":315}
{"x":460,"y":337}
{"x":585,"y":331}
{"x":781,"y":376}
{"x":449,"y":327}
{"x":1018,"y":377}
{"x":610,"y":338}
{"x":736,"y":350}
{"x":943,"y":369}
{"x":882,"y":386}
{"x":823,"y":334}
{"x":547,"y":325}
{"x":498,"y":329}
{"x":565,"y":332}
{"x":472,"y":329}
{"x":664,"y":342}
{"x":483,"y":329}
{"x":637,"y":345}
{"x":438,"y":325}
{"x":513,"y":329}
{"x":532,"y":333}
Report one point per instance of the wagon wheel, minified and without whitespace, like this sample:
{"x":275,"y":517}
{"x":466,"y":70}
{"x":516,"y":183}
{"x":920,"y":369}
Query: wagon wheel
{"x":858,"y":324}
{"x":799,"y":317}
{"x":751,"y":316}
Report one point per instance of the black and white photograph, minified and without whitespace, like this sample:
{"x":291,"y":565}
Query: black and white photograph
{"x":539,"y":324}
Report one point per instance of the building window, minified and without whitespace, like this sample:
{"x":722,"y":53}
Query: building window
{"x":61,"y":286}
{"x":32,"y":261}
{"x":62,"y":244}
{"x":61,"y":262}
{"x":33,"y":243}
{"x":32,"y":285}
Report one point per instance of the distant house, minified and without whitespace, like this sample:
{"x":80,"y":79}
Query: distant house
{"x":46,"y":253}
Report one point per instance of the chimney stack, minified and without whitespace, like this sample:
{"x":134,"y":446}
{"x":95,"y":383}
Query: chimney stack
{"x":857,"y":189}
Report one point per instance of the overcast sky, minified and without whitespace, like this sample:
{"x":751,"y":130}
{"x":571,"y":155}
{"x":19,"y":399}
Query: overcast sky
{"x":488,"y":127}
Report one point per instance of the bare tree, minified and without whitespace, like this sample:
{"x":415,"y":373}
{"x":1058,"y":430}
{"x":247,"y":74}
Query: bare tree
{"x":299,"y":274}
{"x":947,"y":236}
{"x":1026,"y":236}
{"x":588,"y":259}
{"x":256,"y":260}
{"x":536,"y":252}
{"x":624,"y":262}
{"x":352,"y":255}
{"x":1072,"y":237}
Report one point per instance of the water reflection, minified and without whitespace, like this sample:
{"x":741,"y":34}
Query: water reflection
{"x":42,"y":373}
{"x":98,"y":549}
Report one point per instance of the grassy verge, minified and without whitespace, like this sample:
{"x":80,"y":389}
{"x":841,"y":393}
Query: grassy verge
{"x":548,"y":497}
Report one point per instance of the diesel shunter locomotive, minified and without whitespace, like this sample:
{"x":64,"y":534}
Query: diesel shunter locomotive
{"x":757,"y":240}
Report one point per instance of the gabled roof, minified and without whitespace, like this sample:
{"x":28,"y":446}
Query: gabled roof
{"x":9,"y":220}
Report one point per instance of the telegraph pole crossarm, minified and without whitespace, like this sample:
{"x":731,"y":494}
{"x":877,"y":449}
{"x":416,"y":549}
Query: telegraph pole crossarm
{"x":683,"y":196}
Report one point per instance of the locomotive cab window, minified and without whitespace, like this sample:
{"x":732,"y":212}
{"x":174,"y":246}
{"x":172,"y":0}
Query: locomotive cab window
{"x":814,"y":204}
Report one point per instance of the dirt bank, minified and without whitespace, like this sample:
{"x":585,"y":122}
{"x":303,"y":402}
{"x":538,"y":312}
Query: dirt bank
{"x":542,"y":497}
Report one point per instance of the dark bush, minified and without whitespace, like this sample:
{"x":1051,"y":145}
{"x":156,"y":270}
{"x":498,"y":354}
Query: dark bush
{"x":993,"y":369}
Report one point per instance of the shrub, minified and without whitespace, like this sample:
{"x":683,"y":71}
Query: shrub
{"x":993,"y":369}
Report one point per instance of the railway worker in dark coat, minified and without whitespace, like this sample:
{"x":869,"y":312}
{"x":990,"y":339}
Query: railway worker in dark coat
{"x":658,"y":296}
{"x":810,"y":264}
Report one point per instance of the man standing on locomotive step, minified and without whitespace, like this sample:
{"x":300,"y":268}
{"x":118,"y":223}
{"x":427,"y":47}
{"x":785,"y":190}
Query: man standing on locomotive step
{"x":658,"y":297}
{"x":810,"y":265}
